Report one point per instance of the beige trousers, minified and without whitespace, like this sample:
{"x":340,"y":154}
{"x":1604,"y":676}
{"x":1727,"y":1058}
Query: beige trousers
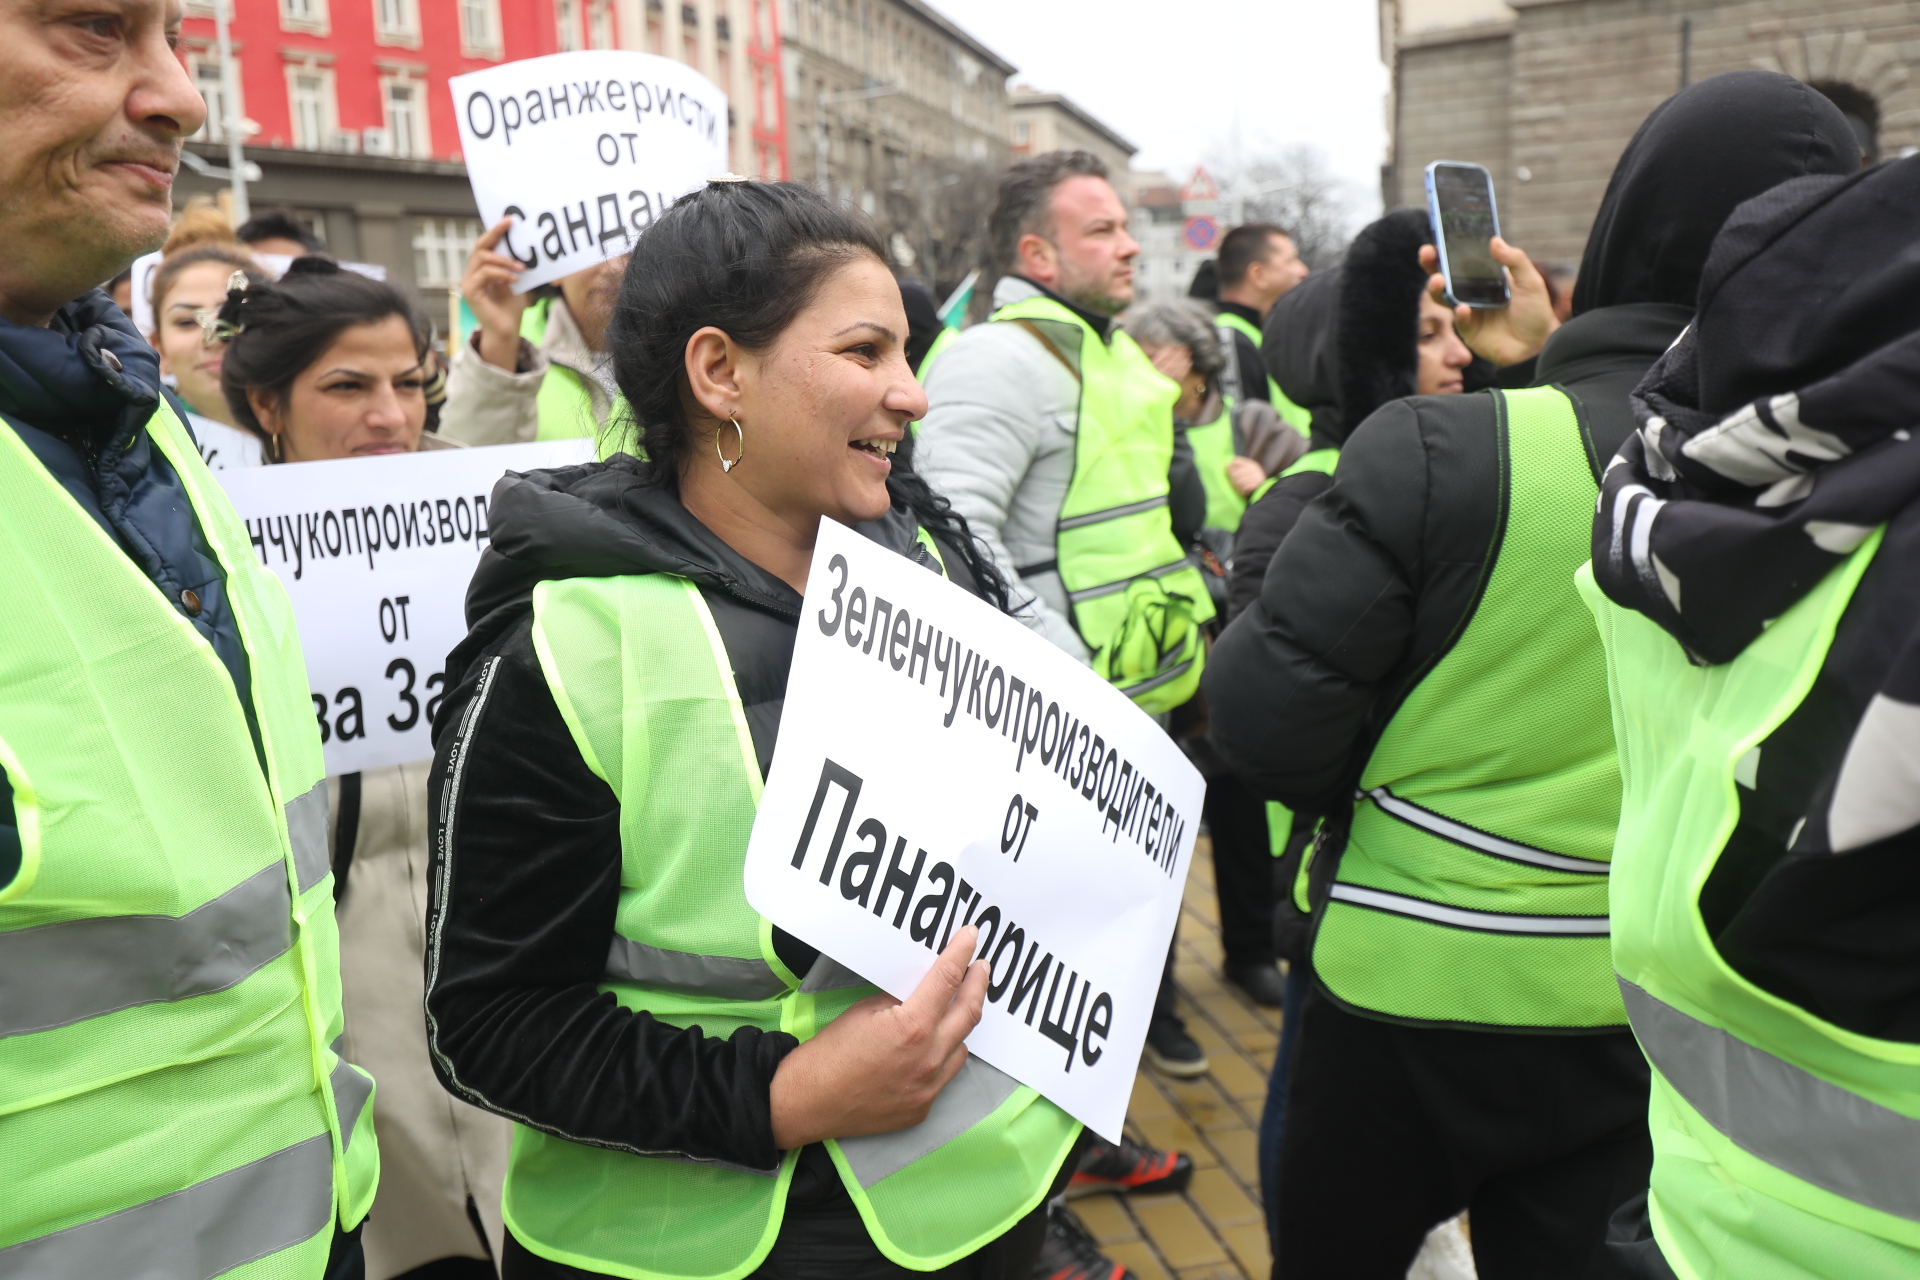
{"x":435,"y":1151}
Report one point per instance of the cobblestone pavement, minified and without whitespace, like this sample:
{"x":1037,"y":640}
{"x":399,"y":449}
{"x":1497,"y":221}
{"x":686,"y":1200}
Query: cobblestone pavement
{"x":1214,"y":1231}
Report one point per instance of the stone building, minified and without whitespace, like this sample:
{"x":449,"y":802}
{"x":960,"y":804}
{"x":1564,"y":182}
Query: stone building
{"x":877,"y":89}
{"x":895,"y":109}
{"x":1546,"y":93}
{"x":1045,"y":122}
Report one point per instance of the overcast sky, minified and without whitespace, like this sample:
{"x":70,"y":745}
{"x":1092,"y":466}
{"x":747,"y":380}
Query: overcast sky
{"x":1168,"y":77}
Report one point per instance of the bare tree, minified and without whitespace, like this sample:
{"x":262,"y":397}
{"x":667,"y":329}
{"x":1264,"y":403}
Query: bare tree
{"x":1295,"y":187}
{"x":935,"y":217}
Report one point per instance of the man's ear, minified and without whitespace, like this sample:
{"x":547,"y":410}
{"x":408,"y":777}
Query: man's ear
{"x":713,"y":362}
{"x":1039,"y":258}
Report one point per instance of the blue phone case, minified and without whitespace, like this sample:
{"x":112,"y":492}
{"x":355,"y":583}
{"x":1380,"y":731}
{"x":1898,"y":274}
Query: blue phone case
{"x":1440,"y":239}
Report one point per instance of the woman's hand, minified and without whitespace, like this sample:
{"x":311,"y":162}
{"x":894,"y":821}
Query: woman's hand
{"x":1504,"y":335}
{"x":488,"y":288}
{"x":1174,"y":360}
{"x":1245,"y":475}
{"x":878,"y":1066}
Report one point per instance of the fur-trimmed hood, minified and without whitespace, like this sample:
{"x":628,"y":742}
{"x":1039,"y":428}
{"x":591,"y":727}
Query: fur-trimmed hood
{"x":1378,"y":331}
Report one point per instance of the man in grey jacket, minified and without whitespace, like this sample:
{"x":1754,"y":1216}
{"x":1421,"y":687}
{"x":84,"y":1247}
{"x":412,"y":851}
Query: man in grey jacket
{"x":1004,"y":404}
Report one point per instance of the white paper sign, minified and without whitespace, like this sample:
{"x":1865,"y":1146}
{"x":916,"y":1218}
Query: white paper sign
{"x":939,"y":764}
{"x":586,"y":149}
{"x":376,"y":554}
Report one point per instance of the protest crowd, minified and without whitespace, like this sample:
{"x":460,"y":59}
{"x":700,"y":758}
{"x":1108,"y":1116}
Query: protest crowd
{"x":1546,"y":665}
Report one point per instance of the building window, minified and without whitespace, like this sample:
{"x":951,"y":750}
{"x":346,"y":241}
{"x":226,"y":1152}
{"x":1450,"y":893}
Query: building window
{"x":440,"y":249}
{"x":396,"y":22}
{"x":206,"y":78}
{"x":310,"y":97}
{"x":406,"y":118}
{"x":1021,"y":134}
{"x":480,"y":28}
{"x":309,"y":16}
{"x":600,"y":24}
{"x":567,"y":14}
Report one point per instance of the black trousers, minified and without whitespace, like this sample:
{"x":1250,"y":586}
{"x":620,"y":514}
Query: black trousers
{"x":822,"y":1238}
{"x":1242,"y":869}
{"x":1392,"y":1130}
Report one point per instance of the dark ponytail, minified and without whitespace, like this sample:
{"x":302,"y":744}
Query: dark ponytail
{"x":746,"y":258}
{"x":276,"y":331}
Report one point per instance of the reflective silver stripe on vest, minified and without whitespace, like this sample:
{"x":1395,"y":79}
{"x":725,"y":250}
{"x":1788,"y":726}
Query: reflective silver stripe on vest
{"x":350,"y":1091}
{"x":1112,"y":513}
{"x":307,"y":826}
{"x":1466,"y":918}
{"x":630,"y":961}
{"x":1154,"y":682}
{"x":970,"y":1097}
{"x":199,"y":1232}
{"x":829,"y":974}
{"x":54,"y":975}
{"x":1788,"y":1117}
{"x":1474,"y":838}
{"x":1110,"y":588}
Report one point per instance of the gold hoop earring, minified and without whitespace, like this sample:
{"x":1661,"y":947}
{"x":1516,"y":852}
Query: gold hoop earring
{"x":727,"y":465}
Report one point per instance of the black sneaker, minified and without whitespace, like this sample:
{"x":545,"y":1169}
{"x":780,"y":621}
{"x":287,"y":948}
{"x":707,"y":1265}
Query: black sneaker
{"x":1262,"y":982}
{"x":1069,"y":1253}
{"x":1130,"y":1166}
{"x":1169,"y":1049}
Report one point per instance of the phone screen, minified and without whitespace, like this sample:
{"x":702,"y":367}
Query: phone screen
{"x":1463,"y":197}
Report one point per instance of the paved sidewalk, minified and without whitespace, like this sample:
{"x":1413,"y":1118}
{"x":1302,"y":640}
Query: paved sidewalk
{"x":1214,"y":1231}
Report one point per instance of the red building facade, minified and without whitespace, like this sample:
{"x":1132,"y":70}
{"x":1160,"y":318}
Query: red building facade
{"x":368,"y":77}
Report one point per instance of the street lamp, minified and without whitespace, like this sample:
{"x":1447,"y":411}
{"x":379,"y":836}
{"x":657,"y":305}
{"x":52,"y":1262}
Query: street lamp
{"x":229,"y":106}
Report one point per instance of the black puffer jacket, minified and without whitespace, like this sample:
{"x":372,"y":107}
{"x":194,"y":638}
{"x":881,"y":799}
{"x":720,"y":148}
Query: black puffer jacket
{"x":1298,"y":350}
{"x":1379,"y":578}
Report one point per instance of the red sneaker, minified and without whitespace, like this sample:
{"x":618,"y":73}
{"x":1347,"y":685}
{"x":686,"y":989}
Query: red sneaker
{"x":1129,"y":1167}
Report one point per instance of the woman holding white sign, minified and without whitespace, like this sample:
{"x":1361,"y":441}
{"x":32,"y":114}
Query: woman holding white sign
{"x":698,"y":1093}
{"x":329,"y":364}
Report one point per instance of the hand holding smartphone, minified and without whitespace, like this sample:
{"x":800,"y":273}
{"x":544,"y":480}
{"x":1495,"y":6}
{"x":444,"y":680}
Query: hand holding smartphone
{"x":1464,"y":220}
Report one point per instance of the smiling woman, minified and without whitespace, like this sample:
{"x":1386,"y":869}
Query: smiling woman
{"x":742,"y":1104}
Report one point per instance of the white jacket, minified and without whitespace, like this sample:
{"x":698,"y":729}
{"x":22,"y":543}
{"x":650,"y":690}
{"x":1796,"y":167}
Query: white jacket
{"x":998,"y":443}
{"x":490,"y":405}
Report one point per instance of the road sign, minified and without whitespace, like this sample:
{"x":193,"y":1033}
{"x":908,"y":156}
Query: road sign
{"x":1200,"y":186}
{"x":1201,"y":233}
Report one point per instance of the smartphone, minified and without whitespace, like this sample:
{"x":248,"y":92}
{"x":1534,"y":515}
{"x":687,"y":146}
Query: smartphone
{"x":1460,"y":209}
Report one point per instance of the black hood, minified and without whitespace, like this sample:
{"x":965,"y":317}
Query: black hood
{"x":1297,"y":347}
{"x":1693,"y":161}
{"x":1378,"y":331}
{"x":609,"y":519}
{"x":1778,"y":432}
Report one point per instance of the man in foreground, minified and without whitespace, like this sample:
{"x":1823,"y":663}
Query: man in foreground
{"x":172,"y":1100}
